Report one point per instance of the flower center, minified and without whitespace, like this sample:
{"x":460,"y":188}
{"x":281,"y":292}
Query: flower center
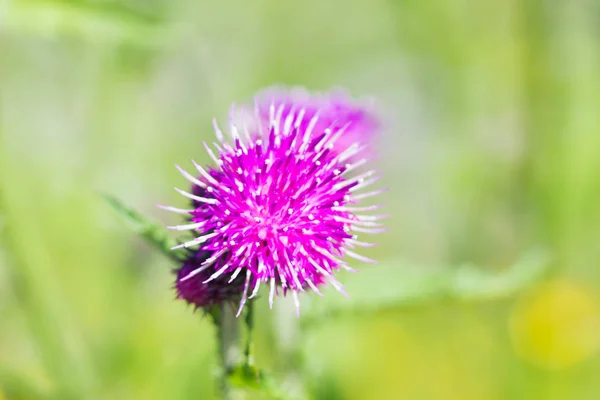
{"x":262,"y":232}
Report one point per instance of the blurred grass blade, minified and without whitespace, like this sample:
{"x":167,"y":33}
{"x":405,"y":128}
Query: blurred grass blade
{"x":57,"y":339}
{"x":151,"y":231}
{"x":471,"y":283}
{"x":84,"y":20}
{"x":16,"y":386}
{"x":394,"y":285}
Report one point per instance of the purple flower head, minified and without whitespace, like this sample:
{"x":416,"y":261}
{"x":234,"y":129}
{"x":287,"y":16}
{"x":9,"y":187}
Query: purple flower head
{"x":336,"y":110}
{"x":279,"y":206}
{"x":191,"y":288}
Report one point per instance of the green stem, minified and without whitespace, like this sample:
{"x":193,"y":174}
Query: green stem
{"x":229,"y":352}
{"x":238,"y":373}
{"x":249,"y":328}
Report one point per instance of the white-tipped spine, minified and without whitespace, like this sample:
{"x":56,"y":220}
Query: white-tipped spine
{"x":218,"y":132}
{"x":186,"y":227}
{"x":271,"y":293}
{"x":196,"y":241}
{"x":197,"y":198}
{"x":217,"y":274}
{"x":245,"y":293}
{"x":174,"y":209}
{"x":190,"y":177}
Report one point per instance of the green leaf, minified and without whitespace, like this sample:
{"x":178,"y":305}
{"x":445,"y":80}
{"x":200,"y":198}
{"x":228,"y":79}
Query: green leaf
{"x":395,"y":284}
{"x":148,"y":229}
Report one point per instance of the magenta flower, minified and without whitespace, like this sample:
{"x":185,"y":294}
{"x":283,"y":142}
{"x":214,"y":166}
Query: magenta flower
{"x":278,"y":208}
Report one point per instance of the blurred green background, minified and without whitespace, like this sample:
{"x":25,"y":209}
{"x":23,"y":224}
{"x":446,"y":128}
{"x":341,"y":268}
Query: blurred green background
{"x":492,"y":149}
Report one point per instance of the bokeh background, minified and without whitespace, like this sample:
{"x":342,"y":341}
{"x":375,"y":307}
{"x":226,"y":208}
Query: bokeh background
{"x":491,"y":149}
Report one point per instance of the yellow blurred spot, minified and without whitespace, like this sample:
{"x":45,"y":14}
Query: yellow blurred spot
{"x":557,"y":326}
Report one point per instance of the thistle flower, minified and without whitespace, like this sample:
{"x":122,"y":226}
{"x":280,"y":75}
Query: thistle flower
{"x":278,"y":206}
